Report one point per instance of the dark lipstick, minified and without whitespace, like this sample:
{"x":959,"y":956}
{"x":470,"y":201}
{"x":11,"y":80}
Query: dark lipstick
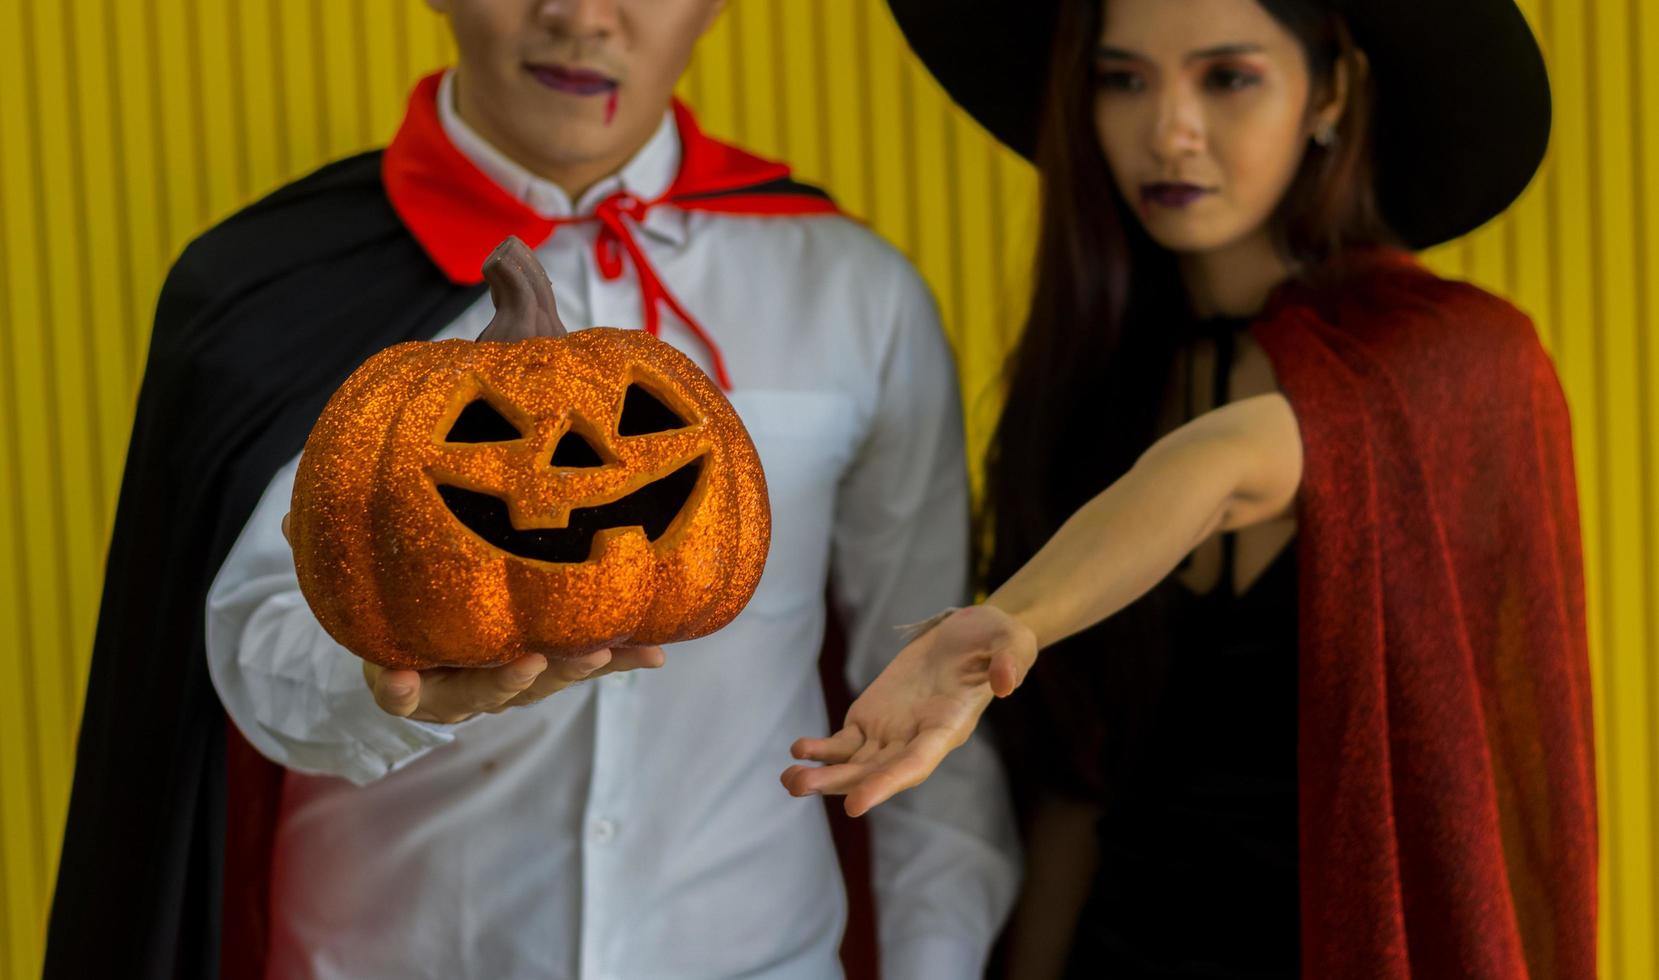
{"x":1171,"y":195}
{"x":574,"y":81}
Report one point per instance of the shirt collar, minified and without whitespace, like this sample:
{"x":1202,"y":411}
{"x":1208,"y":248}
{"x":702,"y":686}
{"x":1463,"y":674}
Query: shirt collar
{"x":647,"y":175}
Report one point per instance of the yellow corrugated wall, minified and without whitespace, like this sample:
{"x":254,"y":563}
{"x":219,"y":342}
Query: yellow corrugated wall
{"x":127,"y":126}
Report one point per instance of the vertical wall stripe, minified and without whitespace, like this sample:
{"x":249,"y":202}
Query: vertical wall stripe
{"x":20,"y":784}
{"x":120,"y":252}
{"x":821,"y":87}
{"x":312,"y":104}
{"x":127,"y":128}
{"x":798,"y":91}
{"x":401,"y":73}
{"x":1594,"y":491}
{"x":883,"y":104}
{"x":734,"y":48}
{"x":754,"y":68}
{"x":370,"y":50}
{"x":238,"y":93}
{"x":160,"y":147}
{"x":208,"y":114}
{"x":1615,"y":225}
{"x":61,"y":488}
{"x":382,"y":81}
{"x":260,"y":105}
{"x":1643,"y":37}
{"x":81,"y":362}
{"x":843,"y":171}
{"x":15,"y":960}
{"x":325,"y":102}
{"x":103,"y":220}
{"x":296,"y":77}
{"x":82,"y":271}
{"x":279,"y":87}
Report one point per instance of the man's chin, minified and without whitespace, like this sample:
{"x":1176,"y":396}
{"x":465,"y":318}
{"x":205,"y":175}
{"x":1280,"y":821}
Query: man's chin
{"x":588,"y":125}
{"x":576,"y":153}
{"x":584,"y":143}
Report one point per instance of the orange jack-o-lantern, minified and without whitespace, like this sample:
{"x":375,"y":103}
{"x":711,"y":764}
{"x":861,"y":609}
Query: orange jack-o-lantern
{"x":464,"y":503}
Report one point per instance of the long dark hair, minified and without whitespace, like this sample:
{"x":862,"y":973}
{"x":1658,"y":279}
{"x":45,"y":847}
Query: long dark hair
{"x":1089,"y":383}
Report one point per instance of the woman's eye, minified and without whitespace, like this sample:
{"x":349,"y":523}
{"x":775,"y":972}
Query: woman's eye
{"x":1118,"y":80}
{"x":1230,"y":79}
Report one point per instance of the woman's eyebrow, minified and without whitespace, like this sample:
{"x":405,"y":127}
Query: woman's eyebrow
{"x":1218,"y":51}
{"x":1224,"y":51}
{"x":1117,"y":54}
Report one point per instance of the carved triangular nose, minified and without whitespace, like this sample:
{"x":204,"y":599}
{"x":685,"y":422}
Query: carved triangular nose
{"x":574,"y":451}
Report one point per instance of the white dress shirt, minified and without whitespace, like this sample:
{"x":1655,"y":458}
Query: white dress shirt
{"x":634,"y":826}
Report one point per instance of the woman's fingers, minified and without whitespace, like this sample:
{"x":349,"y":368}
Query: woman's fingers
{"x":909,"y":768}
{"x":875,"y":774}
{"x":837,"y":748}
{"x":795,"y":780}
{"x":792,"y":780}
{"x":824,"y":780}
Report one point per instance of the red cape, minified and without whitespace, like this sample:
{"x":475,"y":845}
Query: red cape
{"x":458,"y":215}
{"x":1448,"y":824}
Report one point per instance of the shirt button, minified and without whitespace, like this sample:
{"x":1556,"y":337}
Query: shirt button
{"x":604,"y":830}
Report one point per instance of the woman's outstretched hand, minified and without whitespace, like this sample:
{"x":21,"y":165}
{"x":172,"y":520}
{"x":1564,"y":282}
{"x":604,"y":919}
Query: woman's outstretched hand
{"x":925,"y":704}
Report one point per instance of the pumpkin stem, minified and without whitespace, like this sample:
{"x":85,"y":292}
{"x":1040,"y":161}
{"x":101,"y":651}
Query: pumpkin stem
{"x":522,"y":295}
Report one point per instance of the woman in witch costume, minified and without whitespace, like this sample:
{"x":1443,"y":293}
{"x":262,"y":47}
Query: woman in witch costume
{"x":1291,"y":520}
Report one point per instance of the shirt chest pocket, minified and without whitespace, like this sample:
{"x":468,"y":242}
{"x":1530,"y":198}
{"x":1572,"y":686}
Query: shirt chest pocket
{"x":806,"y":441}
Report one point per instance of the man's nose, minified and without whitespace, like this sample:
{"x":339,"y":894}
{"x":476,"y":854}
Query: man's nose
{"x":580,"y":18}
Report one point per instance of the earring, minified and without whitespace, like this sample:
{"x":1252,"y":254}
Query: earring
{"x":1325,"y":135}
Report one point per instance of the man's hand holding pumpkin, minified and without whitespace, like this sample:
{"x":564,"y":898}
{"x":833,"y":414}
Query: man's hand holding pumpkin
{"x":453,"y":694}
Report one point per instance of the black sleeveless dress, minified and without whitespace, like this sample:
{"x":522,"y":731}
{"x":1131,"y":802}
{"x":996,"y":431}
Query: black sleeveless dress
{"x":1198,"y":849}
{"x":1198,"y":845}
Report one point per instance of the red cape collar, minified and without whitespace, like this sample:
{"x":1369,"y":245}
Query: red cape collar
{"x":459,"y":215}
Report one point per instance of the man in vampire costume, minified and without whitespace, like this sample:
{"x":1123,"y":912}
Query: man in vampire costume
{"x":629,"y":826}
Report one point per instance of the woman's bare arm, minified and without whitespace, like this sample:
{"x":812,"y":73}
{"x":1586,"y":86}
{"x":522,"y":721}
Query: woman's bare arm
{"x":1228,"y":469}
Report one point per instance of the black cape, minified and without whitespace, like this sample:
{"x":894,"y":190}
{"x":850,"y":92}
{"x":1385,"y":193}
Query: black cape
{"x":259,"y":321}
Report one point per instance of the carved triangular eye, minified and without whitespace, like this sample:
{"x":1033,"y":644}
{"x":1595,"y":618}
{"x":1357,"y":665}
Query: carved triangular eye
{"x":644,"y":413}
{"x":575,"y":452}
{"x":481,"y":422}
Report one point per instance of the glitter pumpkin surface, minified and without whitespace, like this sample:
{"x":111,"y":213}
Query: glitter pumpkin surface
{"x":464,"y":503}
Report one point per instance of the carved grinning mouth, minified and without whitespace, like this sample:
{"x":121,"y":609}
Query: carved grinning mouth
{"x":652,"y":508}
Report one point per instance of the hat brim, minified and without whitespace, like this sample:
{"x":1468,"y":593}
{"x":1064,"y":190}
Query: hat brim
{"x":1463,"y":98}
